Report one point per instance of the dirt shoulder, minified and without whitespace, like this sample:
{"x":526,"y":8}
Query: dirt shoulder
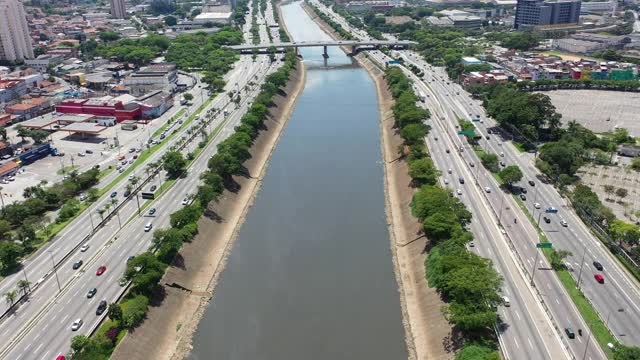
{"x":427,"y":331}
{"x":190,"y":283}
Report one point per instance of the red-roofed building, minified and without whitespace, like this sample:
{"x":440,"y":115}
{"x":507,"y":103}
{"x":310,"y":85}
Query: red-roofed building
{"x":101,"y":107}
{"x":5,"y":119}
{"x":30,"y":108}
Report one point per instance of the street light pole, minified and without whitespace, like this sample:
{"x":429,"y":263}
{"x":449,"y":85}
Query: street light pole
{"x":584,"y":252}
{"x":535,"y":263}
{"x":587,"y":346}
{"x":501,"y":207}
{"x":53,"y":264}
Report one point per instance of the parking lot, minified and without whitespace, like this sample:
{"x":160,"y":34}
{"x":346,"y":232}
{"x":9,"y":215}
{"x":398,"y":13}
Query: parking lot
{"x":80,"y":153}
{"x":597,"y":177}
{"x":598,"y":110}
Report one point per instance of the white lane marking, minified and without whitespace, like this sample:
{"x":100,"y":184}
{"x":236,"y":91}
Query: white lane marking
{"x":64,"y":319}
{"x":558,"y":302}
{"x":38,"y":348}
{"x":516,"y":341}
{"x":518,"y":315}
{"x":530,"y":344}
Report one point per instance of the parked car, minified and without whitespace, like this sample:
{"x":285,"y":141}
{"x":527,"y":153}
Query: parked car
{"x":77,"y":264}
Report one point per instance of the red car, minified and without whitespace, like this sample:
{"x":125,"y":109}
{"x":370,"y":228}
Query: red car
{"x":599,"y":278}
{"x":60,"y":357}
{"x":101,"y":270}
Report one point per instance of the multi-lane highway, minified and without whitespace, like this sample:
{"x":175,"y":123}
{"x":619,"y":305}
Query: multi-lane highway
{"x":40,"y":328}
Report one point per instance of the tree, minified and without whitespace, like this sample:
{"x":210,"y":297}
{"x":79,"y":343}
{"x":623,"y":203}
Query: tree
{"x":174,"y":163}
{"x":625,"y":232}
{"x":635,"y":164}
{"x":135,"y":311}
{"x":557,"y":258}
{"x":186,"y":215}
{"x":510,"y":175}
{"x":621,"y":135}
{"x":3,"y":133}
{"x":10,"y":297}
{"x":24,"y":286}
{"x":490,"y":161}
{"x":115,"y":312}
{"x":609,"y":190}
{"x":622,"y":352}
{"x":477,"y":352}
{"x":423,"y":171}
{"x":413,"y":133}
{"x":144,"y":271}
{"x":187,"y":96}
{"x":440,"y":226}
{"x":5,"y":228}
{"x":78,"y":343}
{"x":170,"y":20}
{"x":622,"y":193}
{"x":9,"y":254}
{"x":108,"y":36}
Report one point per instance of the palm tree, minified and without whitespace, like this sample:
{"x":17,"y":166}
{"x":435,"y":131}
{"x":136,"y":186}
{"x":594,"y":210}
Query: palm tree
{"x":10,"y":297}
{"x":101,"y":213}
{"x":114,"y":202}
{"x":24,"y":286}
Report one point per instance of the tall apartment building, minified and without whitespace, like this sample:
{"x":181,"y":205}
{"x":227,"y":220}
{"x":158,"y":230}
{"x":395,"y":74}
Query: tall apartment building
{"x":533,"y":13}
{"x":118,"y":10}
{"x":15,"y":43}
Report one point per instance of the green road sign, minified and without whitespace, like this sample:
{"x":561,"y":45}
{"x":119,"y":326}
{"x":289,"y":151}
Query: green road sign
{"x":544,"y":245}
{"x":466,"y":132}
{"x":148,"y":196}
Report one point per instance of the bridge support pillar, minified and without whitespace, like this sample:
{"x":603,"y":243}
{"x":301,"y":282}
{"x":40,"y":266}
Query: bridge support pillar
{"x":353,"y":50}
{"x":325,"y":54}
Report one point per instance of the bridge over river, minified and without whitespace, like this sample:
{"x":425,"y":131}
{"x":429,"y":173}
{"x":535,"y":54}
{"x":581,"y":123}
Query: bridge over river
{"x":356,"y":45}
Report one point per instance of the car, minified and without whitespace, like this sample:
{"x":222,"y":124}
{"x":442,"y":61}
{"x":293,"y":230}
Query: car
{"x":101,"y":270}
{"x":124,"y":162}
{"x":131,"y":161}
{"x":502,"y":164}
{"x":81,"y":154}
{"x":91,"y":293}
{"x":114,"y":194}
{"x":185,"y":201}
{"x":127,"y":193}
{"x":121,"y":170}
{"x":83,"y":197}
{"x":84,"y":247}
{"x":552,"y":209}
{"x":76,"y":325}
{"x":130,"y":258}
{"x":135,"y":156}
{"x":599,"y":278}
{"x":487,"y":137}
{"x":102,"y":306}
{"x":537,"y":205}
{"x":131,"y":177}
{"x":447,"y":151}
{"x":148,"y":227}
{"x":506,"y":302}
{"x":459,"y":192}
{"x":570,"y":333}
{"x":598,"y":266}
{"x":472,"y":244}
{"x":77,"y":264}
{"x":122,"y":282}
{"x":449,"y":171}
{"x":162,"y":136}
{"x":461,"y":180}
{"x":12,"y":178}
{"x":546,"y":219}
{"x":152,"y":211}
{"x":471,"y":164}
{"x":532,"y":183}
{"x":523,"y":197}
{"x":89,"y":151}
{"x":523,"y":190}
{"x":131,"y":150}
{"x":153,"y":188}
{"x":138,"y":150}
{"x":61,"y":357}
{"x":501,"y":154}
{"x":487,"y":189}
{"x":446,"y":181}
{"x":564,"y":223}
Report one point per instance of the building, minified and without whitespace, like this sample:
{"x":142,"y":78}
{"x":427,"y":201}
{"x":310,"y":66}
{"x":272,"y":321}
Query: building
{"x":29,"y":108}
{"x":577,"y":46}
{"x":151,"y":78}
{"x":118,"y":10}
{"x":532,"y":14}
{"x":599,"y":7}
{"x":373,"y":5}
{"x":106,"y":107}
{"x":213,"y":17}
{"x":456,"y":18}
{"x":155,"y":104}
{"x":11,"y":90}
{"x":15,"y":43}
{"x":42,"y":62}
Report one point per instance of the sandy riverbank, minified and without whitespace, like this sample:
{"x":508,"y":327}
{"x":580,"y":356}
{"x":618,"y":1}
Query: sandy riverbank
{"x":168,"y":330}
{"x":427,"y":331}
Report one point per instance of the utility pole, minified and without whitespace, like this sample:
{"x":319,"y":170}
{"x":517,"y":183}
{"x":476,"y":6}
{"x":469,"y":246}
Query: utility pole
{"x":584,"y":252}
{"x":91,"y":219}
{"x":55,"y":271}
{"x":535,"y":265}
{"x":138,"y":201}
{"x":501,"y":207}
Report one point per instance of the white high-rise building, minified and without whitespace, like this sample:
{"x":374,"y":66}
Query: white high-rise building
{"x":15,"y":43}
{"x":118,"y":10}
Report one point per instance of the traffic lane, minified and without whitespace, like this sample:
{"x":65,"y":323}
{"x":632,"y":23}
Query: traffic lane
{"x":513,"y":332}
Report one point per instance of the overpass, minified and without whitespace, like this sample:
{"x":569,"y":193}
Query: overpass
{"x":355,"y":45}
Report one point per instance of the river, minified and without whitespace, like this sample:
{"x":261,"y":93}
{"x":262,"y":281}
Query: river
{"x":311,"y":275}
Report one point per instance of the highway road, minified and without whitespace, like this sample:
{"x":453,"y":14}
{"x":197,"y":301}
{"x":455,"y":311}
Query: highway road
{"x":41,"y":327}
{"x":617,"y":299}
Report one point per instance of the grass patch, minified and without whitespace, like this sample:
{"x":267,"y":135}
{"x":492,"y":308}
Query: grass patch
{"x":598,"y":328}
{"x":173,"y":118}
{"x":105,"y":172}
{"x":519,"y":146}
{"x":67,"y":169}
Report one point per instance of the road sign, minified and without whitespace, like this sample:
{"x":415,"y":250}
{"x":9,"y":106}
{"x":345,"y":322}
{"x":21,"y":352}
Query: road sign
{"x":475,"y":119}
{"x":466,"y":132}
{"x":544,"y":245}
{"x":148,"y":196}
{"x":551,"y":211}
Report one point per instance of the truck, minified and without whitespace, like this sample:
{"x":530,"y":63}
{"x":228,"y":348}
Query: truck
{"x":421,"y":96}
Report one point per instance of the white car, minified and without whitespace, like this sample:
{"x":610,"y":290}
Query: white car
{"x":84,"y":247}
{"x":501,"y":154}
{"x":446,"y":181}
{"x":148,"y":227}
{"x":459,"y":192}
{"x":449,"y":171}
{"x":487,"y":189}
{"x":185,"y":201}
{"x":76,"y":325}
{"x":537,"y":205}
{"x":563,"y":223}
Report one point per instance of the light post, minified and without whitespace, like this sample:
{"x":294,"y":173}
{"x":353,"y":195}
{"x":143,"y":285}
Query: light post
{"x":584,"y":252}
{"x":53,"y":264}
{"x":91,"y":219}
{"x":501,"y":207}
